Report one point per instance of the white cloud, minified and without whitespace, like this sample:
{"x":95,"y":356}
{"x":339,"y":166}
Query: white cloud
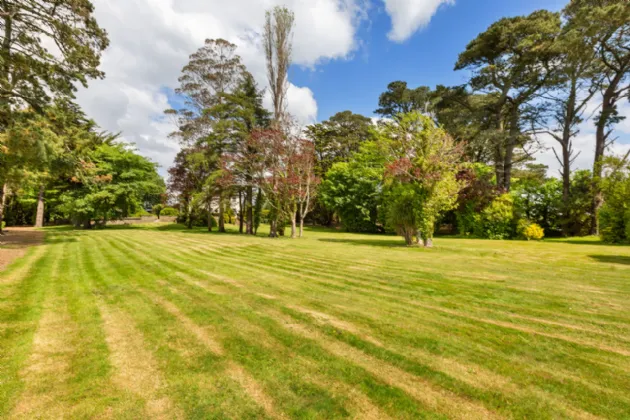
{"x":408,"y":16}
{"x":152,"y":39}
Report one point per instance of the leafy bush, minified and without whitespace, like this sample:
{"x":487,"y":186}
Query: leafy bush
{"x":169,"y":211}
{"x":497,"y":220}
{"x":614,"y":216}
{"x":140,"y":212}
{"x":479,"y":192}
{"x":351,"y":191}
{"x":4,"y":224}
{"x":613,"y":224}
{"x":534,"y":232}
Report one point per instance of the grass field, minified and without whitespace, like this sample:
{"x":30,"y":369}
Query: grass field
{"x":167,"y":323}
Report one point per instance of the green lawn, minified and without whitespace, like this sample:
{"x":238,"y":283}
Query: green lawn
{"x":160,"y":322}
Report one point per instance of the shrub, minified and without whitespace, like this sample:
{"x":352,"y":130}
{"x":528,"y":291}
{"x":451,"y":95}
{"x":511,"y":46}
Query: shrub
{"x":497,"y":220}
{"x":140,"y":212}
{"x":4,"y":224}
{"x":614,"y":220}
{"x":534,"y":232}
{"x":169,"y":211}
{"x":613,"y":226}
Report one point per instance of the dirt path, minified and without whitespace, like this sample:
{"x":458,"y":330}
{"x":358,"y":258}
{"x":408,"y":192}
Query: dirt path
{"x":16,"y":241}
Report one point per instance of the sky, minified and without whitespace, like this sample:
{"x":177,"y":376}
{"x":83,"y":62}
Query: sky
{"x":345,"y":53}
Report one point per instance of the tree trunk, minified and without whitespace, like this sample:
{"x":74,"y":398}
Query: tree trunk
{"x":301,"y":227}
{"x":3,"y":201}
{"x":428,"y":242}
{"x":240,"y":211}
{"x":221,"y":213}
{"x":293,"y":225}
{"x":249,"y":227}
{"x":273,"y":228}
{"x":39,"y":218}
{"x":600,"y":149}
{"x":210,"y":216}
{"x":87,"y":224}
{"x":509,"y":151}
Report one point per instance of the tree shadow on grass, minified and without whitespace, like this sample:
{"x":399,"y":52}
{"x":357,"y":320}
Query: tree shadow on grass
{"x":612,"y":259}
{"x":386,"y":243}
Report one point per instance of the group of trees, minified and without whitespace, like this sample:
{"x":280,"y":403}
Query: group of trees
{"x":49,"y":151}
{"x":234,"y":152}
{"x":459,"y":156}
{"x":541,"y":74}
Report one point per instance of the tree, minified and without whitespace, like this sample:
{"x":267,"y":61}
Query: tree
{"x":157,"y":209}
{"x":278,"y":47}
{"x":186,"y":178}
{"x":579,"y":81}
{"x":249,"y":109}
{"x":30,"y":72}
{"x":467,"y":118}
{"x":512,"y":60}
{"x":211,"y":76}
{"x":420,"y":176}
{"x":306,"y":182}
{"x":615,"y":213}
{"x":113,"y":182}
{"x":604,"y":25}
{"x":338,"y":138}
{"x":399,"y":99}
{"x":352,"y":189}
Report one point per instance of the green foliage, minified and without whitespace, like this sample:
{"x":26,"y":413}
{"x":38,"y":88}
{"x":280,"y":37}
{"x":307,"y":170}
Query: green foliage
{"x":399,"y":99}
{"x":352,"y":191}
{"x":577,"y":213}
{"x":30,"y":73}
{"x":112,"y":185}
{"x":140,"y":212}
{"x":157,"y":209}
{"x":420,"y":181}
{"x":338,"y":138}
{"x":497,"y":220}
{"x":614,"y":216}
{"x":169,"y":211}
{"x":540,"y":201}
{"x":479,"y":191}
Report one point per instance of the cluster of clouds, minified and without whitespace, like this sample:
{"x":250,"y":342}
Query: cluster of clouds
{"x":152,"y":39}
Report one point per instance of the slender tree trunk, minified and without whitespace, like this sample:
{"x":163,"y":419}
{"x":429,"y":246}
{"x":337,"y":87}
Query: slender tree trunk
{"x":39,"y":218}
{"x":87,"y":224}
{"x":301,"y":227}
{"x":273,"y":228}
{"x":428,"y":242}
{"x":293,"y":224}
{"x":600,"y":149}
{"x":221,"y":215}
{"x":249,"y":228}
{"x":189,"y":215}
{"x":509,"y":151}
{"x":3,"y":201}
{"x":240,"y":211}
{"x":209,"y":207}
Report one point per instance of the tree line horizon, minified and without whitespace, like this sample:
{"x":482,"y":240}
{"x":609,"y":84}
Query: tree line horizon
{"x":458,"y":157}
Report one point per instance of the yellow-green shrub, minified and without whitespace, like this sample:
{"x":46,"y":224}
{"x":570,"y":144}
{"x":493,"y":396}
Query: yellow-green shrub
{"x":534,"y":232}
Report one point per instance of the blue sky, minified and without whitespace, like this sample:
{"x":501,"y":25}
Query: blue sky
{"x":427,"y":58}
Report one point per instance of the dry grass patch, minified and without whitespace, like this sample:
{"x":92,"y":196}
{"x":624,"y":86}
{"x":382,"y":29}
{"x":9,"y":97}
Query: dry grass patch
{"x":49,"y":366}
{"x":135,"y":368}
